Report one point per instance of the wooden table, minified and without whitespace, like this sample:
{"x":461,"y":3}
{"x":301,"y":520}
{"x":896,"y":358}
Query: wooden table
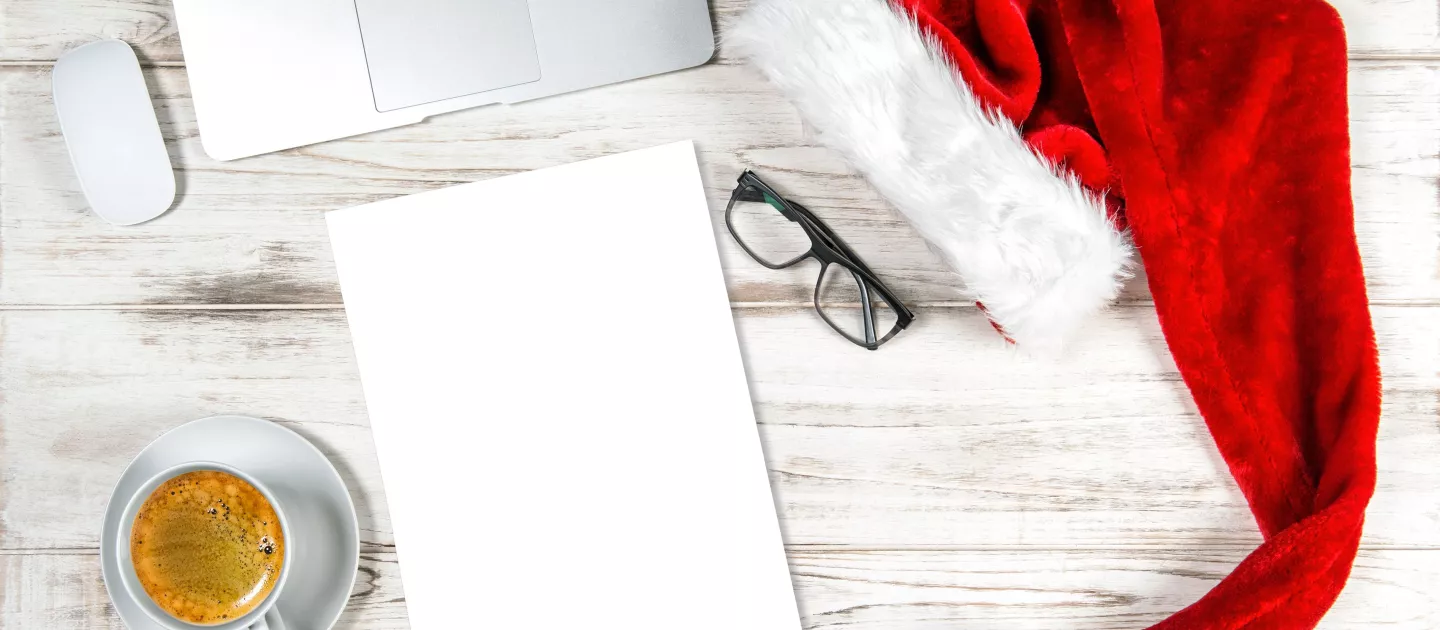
{"x":941,"y":482}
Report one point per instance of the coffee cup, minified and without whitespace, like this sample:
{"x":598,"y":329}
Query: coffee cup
{"x":262,"y":616}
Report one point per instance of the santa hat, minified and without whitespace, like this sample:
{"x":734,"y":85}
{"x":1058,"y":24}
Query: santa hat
{"x":1217,"y":133}
{"x":1031,"y":245}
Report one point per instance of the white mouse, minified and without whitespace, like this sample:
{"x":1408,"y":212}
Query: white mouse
{"x":111,"y":132}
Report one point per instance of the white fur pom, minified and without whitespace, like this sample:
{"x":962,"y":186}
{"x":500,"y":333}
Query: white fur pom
{"x":1028,"y":241}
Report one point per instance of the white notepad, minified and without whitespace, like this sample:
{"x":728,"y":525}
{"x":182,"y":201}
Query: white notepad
{"x":558,"y":402}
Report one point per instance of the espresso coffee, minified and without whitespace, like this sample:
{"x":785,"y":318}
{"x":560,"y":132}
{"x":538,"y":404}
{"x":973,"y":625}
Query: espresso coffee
{"x":207,"y":547}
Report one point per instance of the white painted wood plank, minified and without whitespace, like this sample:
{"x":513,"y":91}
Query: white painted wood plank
{"x":868,"y":590}
{"x":251,"y":231}
{"x":84,"y":391}
{"x":42,"y":30}
{"x":1101,"y":589}
{"x":943,"y":437}
{"x":1375,"y":28}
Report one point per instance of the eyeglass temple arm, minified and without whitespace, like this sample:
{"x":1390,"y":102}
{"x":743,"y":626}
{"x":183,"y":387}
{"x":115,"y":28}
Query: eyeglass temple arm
{"x":747,"y":193}
{"x":866,"y":310}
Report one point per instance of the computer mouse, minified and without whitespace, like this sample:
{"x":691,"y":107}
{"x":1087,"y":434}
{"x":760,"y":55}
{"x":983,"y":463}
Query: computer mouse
{"x":112,"y":134}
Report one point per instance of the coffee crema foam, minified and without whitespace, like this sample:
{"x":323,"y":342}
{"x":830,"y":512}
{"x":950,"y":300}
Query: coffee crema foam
{"x":207,"y":547}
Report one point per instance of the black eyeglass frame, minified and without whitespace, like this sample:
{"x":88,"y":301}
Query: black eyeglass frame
{"x":827,"y":248}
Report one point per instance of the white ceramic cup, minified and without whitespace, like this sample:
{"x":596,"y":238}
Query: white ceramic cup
{"x":262,"y":617}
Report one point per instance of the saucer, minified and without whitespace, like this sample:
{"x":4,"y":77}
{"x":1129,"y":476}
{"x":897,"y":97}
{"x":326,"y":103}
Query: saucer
{"x":324,"y":529}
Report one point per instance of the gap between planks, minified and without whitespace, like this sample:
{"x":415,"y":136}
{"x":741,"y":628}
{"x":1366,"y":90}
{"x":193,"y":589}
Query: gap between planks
{"x":1359,"y":55}
{"x":733,"y":305}
{"x":853,"y":549}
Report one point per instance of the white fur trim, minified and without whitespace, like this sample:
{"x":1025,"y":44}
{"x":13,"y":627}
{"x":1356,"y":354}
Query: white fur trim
{"x":1028,"y":241}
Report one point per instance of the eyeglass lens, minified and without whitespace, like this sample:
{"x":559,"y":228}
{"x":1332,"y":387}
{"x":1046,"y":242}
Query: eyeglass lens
{"x":763,"y":230}
{"x":852,"y":307}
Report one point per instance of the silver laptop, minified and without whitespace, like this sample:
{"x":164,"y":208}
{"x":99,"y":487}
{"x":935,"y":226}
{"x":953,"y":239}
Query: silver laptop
{"x":274,"y":74}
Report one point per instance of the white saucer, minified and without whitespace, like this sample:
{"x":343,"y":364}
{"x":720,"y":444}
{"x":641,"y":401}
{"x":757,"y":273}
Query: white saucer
{"x":322,"y":517}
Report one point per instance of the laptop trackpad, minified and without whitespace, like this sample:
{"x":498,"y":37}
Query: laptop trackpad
{"x":421,"y":51}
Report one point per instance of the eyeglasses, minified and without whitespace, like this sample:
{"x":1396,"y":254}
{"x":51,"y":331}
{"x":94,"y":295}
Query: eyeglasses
{"x":848,"y":296}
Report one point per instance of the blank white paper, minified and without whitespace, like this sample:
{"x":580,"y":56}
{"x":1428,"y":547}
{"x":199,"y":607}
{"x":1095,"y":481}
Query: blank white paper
{"x":558,"y":402}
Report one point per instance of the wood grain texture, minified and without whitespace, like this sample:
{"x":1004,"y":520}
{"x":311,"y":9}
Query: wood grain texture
{"x":861,"y":589}
{"x":942,"y":482}
{"x":42,"y":30}
{"x":944,"y":438}
{"x":252,"y":231}
{"x":85,"y":391}
{"x":1072,"y":589}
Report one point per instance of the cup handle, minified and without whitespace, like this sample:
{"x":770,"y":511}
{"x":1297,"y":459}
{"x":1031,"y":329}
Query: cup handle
{"x":271,"y":621}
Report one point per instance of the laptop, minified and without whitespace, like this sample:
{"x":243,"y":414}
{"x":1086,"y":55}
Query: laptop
{"x":267,"y":75}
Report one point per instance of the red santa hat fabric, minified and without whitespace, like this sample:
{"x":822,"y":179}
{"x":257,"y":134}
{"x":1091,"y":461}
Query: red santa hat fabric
{"x":1029,"y":140}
